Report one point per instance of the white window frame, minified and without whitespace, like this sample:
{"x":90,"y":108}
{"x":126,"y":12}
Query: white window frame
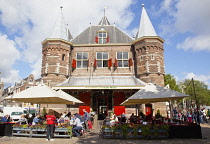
{"x":122,"y":60}
{"x":102,"y":59}
{"x":82,"y":60}
{"x":102,"y":38}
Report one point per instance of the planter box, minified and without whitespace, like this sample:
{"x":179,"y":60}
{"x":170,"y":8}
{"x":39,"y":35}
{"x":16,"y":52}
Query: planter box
{"x":132,"y":133}
{"x":37,"y":132}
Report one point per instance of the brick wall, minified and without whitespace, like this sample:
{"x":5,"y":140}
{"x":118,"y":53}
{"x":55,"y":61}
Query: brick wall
{"x":149,"y":62}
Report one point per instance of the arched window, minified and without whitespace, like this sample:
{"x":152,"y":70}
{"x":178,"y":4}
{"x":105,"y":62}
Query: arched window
{"x":63,"y":57}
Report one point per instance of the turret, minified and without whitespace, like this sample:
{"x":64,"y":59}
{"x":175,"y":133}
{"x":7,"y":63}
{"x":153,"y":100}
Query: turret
{"x":56,"y":52}
{"x":149,"y":52}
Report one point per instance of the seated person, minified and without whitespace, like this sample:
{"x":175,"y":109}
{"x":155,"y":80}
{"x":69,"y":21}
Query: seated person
{"x":36,"y":120}
{"x":6,"y":118}
{"x":30,"y":121}
{"x":123,"y":118}
{"x":72,"y":119}
{"x":22,"y":120}
{"x":132,"y":118}
{"x":61,"y":120}
{"x":77,"y":126}
{"x":106,"y":121}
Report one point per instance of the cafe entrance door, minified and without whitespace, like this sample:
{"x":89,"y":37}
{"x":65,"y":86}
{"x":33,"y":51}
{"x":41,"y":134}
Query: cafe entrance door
{"x":102,"y":107}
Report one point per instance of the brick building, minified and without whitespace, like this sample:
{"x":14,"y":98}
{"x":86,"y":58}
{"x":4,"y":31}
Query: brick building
{"x":103,"y":66}
{"x":18,"y":87}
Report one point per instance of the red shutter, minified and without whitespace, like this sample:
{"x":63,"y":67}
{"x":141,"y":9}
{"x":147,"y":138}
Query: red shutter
{"x":96,"y":39}
{"x":130,"y":63}
{"x":110,"y":62}
{"x":95,"y":63}
{"x":115,"y":63}
{"x":107,"y":39}
{"x":74,"y":63}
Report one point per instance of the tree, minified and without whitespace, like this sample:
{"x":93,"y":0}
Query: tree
{"x":169,"y":79}
{"x":202,"y":93}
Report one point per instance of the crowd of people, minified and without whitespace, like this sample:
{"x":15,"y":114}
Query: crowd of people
{"x":80,"y":123}
{"x":192,"y":115}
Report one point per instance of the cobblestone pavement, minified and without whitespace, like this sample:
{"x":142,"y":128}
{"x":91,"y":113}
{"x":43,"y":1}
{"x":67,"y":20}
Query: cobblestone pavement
{"x":93,"y":138}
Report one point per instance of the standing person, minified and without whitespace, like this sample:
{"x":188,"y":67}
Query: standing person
{"x":86,"y":119}
{"x":50,"y":119}
{"x":208,"y":113}
{"x":204,"y":115}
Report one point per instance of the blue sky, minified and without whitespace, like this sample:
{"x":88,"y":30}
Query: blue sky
{"x":183,"y":24}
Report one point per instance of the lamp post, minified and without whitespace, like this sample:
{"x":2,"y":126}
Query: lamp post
{"x":182,"y":87}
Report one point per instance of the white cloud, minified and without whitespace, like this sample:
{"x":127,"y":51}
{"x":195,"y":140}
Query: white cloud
{"x":30,"y":22}
{"x":190,"y":18}
{"x":203,"y":78}
{"x":197,"y":43}
{"x":8,"y":54}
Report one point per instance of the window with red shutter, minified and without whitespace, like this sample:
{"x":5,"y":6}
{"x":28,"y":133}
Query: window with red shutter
{"x":107,"y":39}
{"x":130,"y":62}
{"x":95,"y":63}
{"x":96,"y":39}
{"x":110,"y":63}
{"x":74,"y":63}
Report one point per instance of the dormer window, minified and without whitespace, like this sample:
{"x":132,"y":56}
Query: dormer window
{"x":102,"y":37}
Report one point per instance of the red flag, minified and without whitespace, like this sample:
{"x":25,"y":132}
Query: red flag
{"x":74,"y":63}
{"x":130,"y":63}
{"x":110,"y":62}
{"x":96,"y":39}
{"x":95,"y":63}
{"x":115,"y":63}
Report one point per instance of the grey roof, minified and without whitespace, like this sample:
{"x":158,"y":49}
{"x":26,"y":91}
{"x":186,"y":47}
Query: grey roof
{"x":115,"y":35}
{"x":103,"y":81}
{"x":61,"y":29}
{"x":104,"y":21}
{"x":146,"y":28}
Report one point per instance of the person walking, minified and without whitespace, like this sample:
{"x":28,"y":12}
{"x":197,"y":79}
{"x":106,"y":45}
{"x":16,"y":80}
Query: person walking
{"x":50,"y":119}
{"x":86,"y":119}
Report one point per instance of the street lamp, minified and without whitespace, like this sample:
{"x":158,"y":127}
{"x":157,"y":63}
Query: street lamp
{"x":182,"y":87}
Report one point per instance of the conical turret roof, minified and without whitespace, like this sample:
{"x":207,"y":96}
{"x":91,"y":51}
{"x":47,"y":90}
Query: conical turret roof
{"x":146,"y":28}
{"x":104,"y":21}
{"x":61,"y":29}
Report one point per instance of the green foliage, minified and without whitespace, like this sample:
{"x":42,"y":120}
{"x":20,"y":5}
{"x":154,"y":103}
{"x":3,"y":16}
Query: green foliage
{"x":169,"y":79}
{"x":146,"y":130}
{"x":44,"y":111}
{"x":69,"y":130}
{"x":201,"y":91}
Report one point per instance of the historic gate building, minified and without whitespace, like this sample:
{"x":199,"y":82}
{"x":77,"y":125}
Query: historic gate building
{"x":103,"y":66}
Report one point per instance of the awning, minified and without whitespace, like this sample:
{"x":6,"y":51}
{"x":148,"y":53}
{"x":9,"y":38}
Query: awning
{"x":101,"y":82}
{"x":153,"y":93}
{"x":43,"y":94}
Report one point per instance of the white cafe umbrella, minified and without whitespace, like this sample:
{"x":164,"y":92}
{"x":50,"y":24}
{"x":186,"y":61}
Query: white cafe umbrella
{"x":75,"y":100}
{"x":41,"y":94}
{"x":153,"y":93}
